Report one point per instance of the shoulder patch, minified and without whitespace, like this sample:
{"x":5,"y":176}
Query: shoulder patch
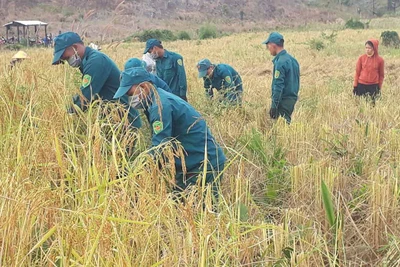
{"x":158,"y":126}
{"x":180,"y":63}
{"x":87,"y":79}
{"x":228,"y":79}
{"x":277,"y":74}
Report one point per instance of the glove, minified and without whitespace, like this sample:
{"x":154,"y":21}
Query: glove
{"x":273,"y":113}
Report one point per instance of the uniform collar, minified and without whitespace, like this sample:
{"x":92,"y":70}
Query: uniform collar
{"x":166,"y":53}
{"x":283,"y":52}
{"x":88,"y":51}
{"x":213,"y":73}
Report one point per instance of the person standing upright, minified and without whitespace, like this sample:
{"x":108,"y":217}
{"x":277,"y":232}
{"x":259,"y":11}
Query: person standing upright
{"x":286,"y":79}
{"x":169,"y":67}
{"x":370,"y":72}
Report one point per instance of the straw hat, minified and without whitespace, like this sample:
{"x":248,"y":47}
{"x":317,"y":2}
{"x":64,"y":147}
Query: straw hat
{"x":20,"y":55}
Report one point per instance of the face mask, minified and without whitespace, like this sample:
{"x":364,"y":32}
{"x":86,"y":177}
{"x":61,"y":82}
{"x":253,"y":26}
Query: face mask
{"x":154,"y":55}
{"x":75,"y":61}
{"x":135,"y":101}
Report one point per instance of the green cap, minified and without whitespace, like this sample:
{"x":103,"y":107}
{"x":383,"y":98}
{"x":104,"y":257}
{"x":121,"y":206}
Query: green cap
{"x":150,"y":44}
{"x":203,"y":66}
{"x":130,"y":77}
{"x":62,"y":42}
{"x":135,"y":63}
{"x":275,"y":38}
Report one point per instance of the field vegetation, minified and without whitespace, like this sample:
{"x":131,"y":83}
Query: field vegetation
{"x":323,"y":191}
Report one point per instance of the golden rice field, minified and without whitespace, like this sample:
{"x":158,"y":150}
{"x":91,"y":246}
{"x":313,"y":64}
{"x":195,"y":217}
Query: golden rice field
{"x":323,"y":191}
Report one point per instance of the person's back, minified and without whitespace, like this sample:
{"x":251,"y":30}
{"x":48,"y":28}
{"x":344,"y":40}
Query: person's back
{"x":236,"y":79}
{"x":159,"y":83}
{"x":170,"y":69}
{"x":188,"y":127}
{"x":222,"y":77}
{"x":292,"y":74}
{"x":101,"y":75}
{"x":94,"y":59}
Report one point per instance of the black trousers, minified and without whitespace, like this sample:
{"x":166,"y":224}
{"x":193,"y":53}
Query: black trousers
{"x":372,"y":90}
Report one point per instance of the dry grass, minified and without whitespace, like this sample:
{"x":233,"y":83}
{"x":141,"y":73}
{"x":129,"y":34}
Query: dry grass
{"x":61,"y":204}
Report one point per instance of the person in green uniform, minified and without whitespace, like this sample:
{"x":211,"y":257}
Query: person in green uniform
{"x":100,"y":75}
{"x":135,"y":62}
{"x":223,"y":78}
{"x":173,"y":119}
{"x":286,"y":78}
{"x":169,"y":67}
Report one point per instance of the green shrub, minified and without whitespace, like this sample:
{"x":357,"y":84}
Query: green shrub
{"x":208,"y":31}
{"x":183,"y":35}
{"x":316,"y":44}
{"x":163,"y":35}
{"x":354,"y":24}
{"x":390,"y":38}
{"x":13,"y":47}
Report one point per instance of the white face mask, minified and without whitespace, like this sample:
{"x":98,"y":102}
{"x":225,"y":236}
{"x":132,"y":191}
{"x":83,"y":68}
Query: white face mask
{"x":75,"y":61}
{"x":154,"y":55}
{"x":135,"y":101}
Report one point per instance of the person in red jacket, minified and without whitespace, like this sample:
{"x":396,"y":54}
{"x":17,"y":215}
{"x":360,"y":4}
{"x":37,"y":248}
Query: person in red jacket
{"x":369,"y":72}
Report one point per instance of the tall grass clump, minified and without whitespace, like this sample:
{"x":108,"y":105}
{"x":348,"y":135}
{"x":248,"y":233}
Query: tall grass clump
{"x":354,"y":24}
{"x":390,"y":38}
{"x":163,"y":35}
{"x":208,"y":31}
{"x":183,"y":35}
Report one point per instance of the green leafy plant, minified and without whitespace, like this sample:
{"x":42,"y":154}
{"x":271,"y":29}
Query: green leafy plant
{"x":328,"y":204}
{"x":354,"y":24}
{"x":329,"y":37}
{"x":316,"y":44}
{"x":163,"y":35}
{"x":390,"y":38}
{"x":14,"y":47}
{"x":183,"y":35}
{"x":272,"y":157}
{"x":208,"y":31}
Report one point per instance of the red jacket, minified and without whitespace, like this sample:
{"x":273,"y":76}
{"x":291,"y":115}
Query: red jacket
{"x":370,"y":70}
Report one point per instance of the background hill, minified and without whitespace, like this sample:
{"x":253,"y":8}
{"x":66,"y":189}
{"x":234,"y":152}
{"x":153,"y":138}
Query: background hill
{"x":106,"y":19}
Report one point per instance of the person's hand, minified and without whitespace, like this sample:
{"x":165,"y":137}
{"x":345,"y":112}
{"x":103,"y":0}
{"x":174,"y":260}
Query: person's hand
{"x":210,"y":93}
{"x":71,"y":111}
{"x":273,"y":113}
